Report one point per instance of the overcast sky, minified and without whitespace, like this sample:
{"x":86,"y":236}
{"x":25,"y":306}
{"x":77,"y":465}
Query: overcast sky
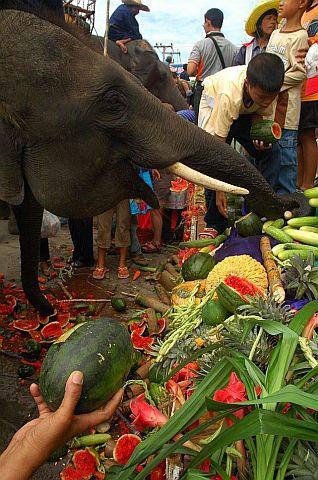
{"x":180,"y":21}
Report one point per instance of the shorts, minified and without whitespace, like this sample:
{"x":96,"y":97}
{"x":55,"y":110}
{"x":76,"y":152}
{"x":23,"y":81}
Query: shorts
{"x":308,"y":115}
{"x":122,"y":232}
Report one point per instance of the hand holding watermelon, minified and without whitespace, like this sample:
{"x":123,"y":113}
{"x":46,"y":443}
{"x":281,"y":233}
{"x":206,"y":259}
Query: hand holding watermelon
{"x":33,"y":444}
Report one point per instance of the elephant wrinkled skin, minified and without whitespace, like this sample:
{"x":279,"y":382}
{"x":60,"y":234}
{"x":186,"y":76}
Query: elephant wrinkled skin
{"x":73,"y":125}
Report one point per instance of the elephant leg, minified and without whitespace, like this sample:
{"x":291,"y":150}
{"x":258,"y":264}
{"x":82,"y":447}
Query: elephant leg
{"x":29,"y":219}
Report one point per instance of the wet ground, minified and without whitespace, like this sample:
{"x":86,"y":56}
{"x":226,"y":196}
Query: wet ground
{"x":16,"y":405}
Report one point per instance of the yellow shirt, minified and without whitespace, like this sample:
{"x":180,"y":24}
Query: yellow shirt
{"x":222,"y":101}
{"x":286,"y":46}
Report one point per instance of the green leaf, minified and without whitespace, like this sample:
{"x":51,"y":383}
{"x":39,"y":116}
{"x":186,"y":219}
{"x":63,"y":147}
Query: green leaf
{"x":260,"y":422}
{"x":288,"y":394}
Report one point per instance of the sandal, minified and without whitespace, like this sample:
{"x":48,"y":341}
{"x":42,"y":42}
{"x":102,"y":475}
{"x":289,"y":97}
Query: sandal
{"x":99,"y":273}
{"x":151,"y":247}
{"x":209,"y":233}
{"x":123,"y":272}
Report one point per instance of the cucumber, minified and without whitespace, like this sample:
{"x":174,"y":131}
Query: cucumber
{"x":309,"y":229}
{"x":279,"y":235}
{"x":279,"y":223}
{"x":299,"y":246}
{"x":308,"y":238}
{"x":267,"y":224}
{"x":313,"y":202}
{"x":278,"y":248}
{"x":287,"y":254}
{"x":311,"y":192}
{"x":205,"y":242}
{"x":303,"y":221}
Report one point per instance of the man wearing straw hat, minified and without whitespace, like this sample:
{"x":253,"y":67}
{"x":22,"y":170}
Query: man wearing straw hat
{"x":261,"y":23}
{"x":123,"y":26}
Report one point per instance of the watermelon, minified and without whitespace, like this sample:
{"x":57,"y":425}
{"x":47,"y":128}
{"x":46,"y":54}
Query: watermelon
{"x":198,"y":266}
{"x":179,"y":185}
{"x":85,"y":463}
{"x":52,"y":331}
{"x":125,"y":447}
{"x":161,"y":322}
{"x":26,"y":325}
{"x":69,"y":473}
{"x":266,"y":131}
{"x":138,"y":327}
{"x":141,"y":343}
{"x":63,"y":318}
{"x":234,"y":292}
{"x":101,"y":349}
{"x":249,"y":225}
{"x":214,"y":313}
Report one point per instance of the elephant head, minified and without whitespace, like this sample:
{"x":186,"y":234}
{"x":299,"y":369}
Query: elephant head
{"x":72,"y":127}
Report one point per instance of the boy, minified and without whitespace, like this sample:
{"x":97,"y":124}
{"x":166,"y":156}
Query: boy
{"x":285,"y":42}
{"x":229,"y":99}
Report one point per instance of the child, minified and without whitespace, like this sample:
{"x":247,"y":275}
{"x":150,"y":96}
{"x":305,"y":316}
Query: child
{"x":122,"y":239}
{"x":307,"y":146}
{"x":285,"y":42}
{"x":229,"y":99}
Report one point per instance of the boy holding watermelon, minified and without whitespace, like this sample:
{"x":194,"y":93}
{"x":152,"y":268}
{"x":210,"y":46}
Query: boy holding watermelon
{"x":229,"y":100}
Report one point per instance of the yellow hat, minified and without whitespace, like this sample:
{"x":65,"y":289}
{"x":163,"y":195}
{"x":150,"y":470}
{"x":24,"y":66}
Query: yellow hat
{"x":137,"y":3}
{"x":262,"y":7}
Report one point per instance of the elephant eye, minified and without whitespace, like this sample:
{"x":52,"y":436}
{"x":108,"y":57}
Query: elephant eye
{"x":113,"y":98}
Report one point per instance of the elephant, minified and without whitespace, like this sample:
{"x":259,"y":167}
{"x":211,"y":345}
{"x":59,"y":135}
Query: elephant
{"x":74,"y":124}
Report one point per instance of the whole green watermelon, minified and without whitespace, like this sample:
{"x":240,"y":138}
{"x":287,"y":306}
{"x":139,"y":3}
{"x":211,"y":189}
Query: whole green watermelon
{"x":101,"y":349}
{"x":197,"y":267}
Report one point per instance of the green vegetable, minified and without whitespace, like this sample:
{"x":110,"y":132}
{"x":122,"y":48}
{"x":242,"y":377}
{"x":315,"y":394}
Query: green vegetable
{"x":101,"y":349}
{"x":158,"y":393}
{"x":198,"y":266}
{"x":267,"y":224}
{"x":299,"y":246}
{"x":309,"y":238}
{"x":287,"y":254}
{"x":214,"y":313}
{"x":266,"y":131}
{"x":313,"y":202}
{"x":156,"y":373}
{"x":204,"y":242}
{"x":309,"y":229}
{"x":229,"y":298}
{"x":303,"y":221}
{"x":91,"y":440}
{"x":119,"y":304}
{"x":249,"y":225}
{"x":279,"y":235}
{"x":311,"y":192}
{"x":279,"y":223}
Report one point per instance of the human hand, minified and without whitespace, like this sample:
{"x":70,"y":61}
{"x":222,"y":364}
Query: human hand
{"x":221,"y":203}
{"x":156,"y":174}
{"x":260,"y":145}
{"x":32,"y":445}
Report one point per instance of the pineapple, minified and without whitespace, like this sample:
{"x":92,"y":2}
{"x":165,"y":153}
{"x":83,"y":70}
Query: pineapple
{"x":301,"y":277}
{"x":267,"y":308}
{"x":304,"y":462}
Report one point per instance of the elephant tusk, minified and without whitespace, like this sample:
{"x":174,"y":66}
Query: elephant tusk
{"x":200,"y":179}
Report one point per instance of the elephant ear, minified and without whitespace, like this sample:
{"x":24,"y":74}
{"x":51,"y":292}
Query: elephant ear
{"x":11,"y":141}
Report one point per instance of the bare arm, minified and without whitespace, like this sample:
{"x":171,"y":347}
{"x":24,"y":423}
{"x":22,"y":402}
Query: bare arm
{"x":192,"y":69}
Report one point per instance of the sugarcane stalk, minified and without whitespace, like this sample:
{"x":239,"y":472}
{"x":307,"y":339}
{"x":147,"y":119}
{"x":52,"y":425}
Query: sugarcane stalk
{"x":166,"y":280}
{"x":152,"y":321}
{"x":151,"y":302}
{"x":162,"y":294}
{"x":170,"y":268}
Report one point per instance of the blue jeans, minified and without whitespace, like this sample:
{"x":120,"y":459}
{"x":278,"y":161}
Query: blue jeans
{"x":285,"y":153}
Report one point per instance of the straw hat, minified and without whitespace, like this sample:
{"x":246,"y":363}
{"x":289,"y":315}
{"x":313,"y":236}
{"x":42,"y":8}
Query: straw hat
{"x":262,"y":7}
{"x":137,"y":3}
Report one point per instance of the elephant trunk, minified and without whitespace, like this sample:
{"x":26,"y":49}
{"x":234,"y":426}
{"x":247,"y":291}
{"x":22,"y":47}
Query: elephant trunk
{"x":29,"y":219}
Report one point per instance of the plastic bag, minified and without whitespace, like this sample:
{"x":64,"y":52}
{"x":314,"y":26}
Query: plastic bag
{"x":51,"y":225}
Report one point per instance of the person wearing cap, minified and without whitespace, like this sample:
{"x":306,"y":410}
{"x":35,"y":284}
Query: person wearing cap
{"x":123,"y":26}
{"x":260,"y":24}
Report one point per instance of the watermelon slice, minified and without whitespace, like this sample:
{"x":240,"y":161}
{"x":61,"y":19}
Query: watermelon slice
{"x":51,"y":331}
{"x":125,"y":447}
{"x":69,"y":473}
{"x":179,"y":185}
{"x":36,"y":335}
{"x":138,"y":327}
{"x":141,"y":343}
{"x":26,"y":325}
{"x":161,"y":322}
{"x":85,"y":463}
{"x":63,"y":318}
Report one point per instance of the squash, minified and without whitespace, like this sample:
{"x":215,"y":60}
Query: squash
{"x":214,"y":313}
{"x":197,"y":267}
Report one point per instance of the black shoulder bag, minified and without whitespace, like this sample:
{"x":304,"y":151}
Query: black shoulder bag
{"x":218,"y":51}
